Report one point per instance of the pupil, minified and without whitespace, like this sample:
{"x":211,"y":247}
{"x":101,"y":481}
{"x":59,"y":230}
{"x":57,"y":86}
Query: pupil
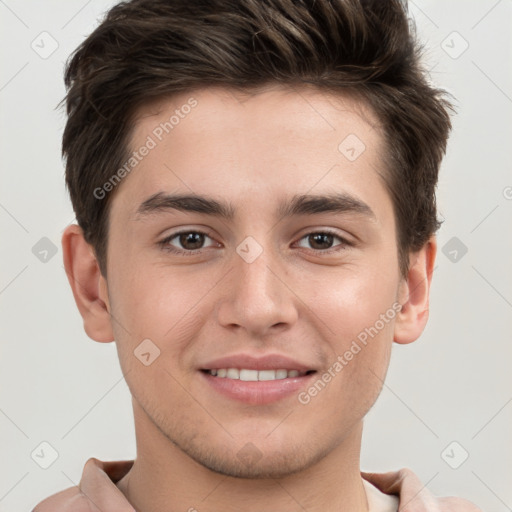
{"x":320,"y":237}
{"x":195,"y":238}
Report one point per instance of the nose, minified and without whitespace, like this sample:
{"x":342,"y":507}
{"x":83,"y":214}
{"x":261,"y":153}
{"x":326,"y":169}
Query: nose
{"x":258,"y":298}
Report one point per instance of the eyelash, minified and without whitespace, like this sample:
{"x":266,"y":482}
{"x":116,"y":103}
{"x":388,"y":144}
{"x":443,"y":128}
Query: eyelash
{"x":164,"y":244}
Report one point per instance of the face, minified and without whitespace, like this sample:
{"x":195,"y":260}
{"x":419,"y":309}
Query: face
{"x":259,"y":268}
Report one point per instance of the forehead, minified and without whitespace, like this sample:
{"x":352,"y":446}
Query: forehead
{"x":266,"y":106}
{"x":214,"y":140}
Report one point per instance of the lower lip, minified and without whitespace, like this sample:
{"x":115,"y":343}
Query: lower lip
{"x":257,"y":392}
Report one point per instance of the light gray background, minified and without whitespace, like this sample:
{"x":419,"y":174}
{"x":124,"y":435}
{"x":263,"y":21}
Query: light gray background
{"x":454,"y":384}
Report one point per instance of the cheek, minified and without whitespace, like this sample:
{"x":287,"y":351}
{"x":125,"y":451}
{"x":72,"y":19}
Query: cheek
{"x":359,"y":311}
{"x":159,"y":305}
{"x":353,"y":299}
{"x":152,"y":301}
{"x":359,"y":352}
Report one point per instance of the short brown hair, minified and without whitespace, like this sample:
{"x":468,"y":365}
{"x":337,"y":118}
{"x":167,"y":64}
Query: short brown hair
{"x":146,"y":49}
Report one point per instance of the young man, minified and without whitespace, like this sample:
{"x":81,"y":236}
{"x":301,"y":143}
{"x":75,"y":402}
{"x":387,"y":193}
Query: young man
{"x":254,"y":185}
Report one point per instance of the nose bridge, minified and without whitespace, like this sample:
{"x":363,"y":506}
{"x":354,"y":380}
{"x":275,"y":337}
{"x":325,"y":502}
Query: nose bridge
{"x":257,"y":298}
{"x":256,"y":279}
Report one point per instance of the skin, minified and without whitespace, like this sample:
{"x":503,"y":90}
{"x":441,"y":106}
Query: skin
{"x":253,"y":151}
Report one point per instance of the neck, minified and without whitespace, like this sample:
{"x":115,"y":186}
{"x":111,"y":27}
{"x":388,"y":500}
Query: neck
{"x":163,"y":478}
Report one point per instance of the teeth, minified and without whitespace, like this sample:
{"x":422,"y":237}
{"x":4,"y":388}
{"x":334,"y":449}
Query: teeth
{"x":254,"y":375}
{"x":281,"y":374}
{"x":249,"y":375}
{"x":233,"y":373}
{"x":268,"y":375}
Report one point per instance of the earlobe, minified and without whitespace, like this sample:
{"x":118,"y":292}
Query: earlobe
{"x":88,"y":285}
{"x":414,"y":294}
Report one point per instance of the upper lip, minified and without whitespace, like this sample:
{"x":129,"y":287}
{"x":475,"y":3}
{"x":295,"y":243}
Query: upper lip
{"x":266,"y":362}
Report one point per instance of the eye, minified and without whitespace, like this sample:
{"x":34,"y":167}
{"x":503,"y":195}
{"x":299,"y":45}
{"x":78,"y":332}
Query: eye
{"x":321,"y":241}
{"x":190,"y":242}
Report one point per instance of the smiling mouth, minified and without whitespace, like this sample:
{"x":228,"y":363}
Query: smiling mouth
{"x":249,"y":375}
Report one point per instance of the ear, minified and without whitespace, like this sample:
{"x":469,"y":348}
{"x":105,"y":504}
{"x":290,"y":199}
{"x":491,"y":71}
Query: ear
{"x":414,"y":294}
{"x":88,"y":285}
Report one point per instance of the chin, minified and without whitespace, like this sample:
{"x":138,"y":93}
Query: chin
{"x":252,"y":463}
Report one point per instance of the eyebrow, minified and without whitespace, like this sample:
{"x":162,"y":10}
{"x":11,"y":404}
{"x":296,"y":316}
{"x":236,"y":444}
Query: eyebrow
{"x":304,"y":204}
